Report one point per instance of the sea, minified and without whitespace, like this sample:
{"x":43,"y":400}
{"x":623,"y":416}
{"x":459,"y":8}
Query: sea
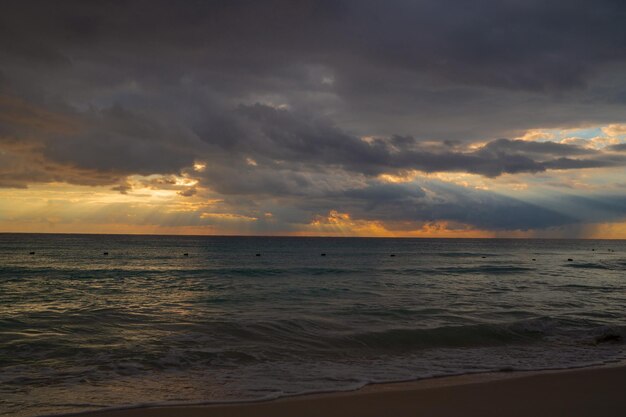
{"x":95,"y":321}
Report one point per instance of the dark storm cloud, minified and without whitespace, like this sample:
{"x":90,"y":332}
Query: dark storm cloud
{"x":275,"y":97}
{"x":280,"y":141}
{"x":528,"y":45}
{"x":448,"y":68}
{"x":118,"y":140}
{"x":410,"y":205}
{"x":379,"y":193}
{"x":482,"y":209}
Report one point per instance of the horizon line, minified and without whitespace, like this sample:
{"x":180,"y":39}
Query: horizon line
{"x":308,"y":236}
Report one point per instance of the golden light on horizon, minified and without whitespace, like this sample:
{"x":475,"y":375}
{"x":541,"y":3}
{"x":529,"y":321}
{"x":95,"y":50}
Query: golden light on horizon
{"x":182,"y":203}
{"x":342,"y":224}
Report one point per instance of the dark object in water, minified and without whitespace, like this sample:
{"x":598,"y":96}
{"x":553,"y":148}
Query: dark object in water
{"x":569,"y":260}
{"x":258,"y":254}
{"x":323,"y":254}
{"x":185,"y":254}
{"x":392,"y":255}
{"x":593,"y":250}
{"x":484,"y":257}
{"x":32,"y":253}
{"x":534,"y":259}
{"x":609,"y":338}
{"x":105,"y":253}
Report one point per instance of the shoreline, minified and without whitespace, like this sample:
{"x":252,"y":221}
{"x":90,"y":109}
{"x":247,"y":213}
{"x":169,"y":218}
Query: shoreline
{"x":591,"y":391}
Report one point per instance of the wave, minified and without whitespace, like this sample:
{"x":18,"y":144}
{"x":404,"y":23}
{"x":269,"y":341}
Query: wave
{"x":485,"y":269}
{"x":345,"y":387}
{"x":521,"y":332}
{"x":594,"y":265}
{"x":285,"y":334}
{"x":465,"y":254}
{"x":248,"y":358}
{"x":36,"y":272}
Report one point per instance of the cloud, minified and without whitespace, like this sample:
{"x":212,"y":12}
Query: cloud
{"x":432,"y":201}
{"x":530,"y":45}
{"x":118,"y":140}
{"x":295,"y":107}
{"x":188,"y":192}
{"x":282,"y":141}
{"x":615,"y":129}
{"x":123,"y":188}
{"x":463,"y":71}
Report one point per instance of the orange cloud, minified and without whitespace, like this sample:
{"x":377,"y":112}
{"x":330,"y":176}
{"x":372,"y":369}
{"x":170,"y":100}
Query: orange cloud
{"x":342,"y":224}
{"x":536,"y":135}
{"x":615,"y":129}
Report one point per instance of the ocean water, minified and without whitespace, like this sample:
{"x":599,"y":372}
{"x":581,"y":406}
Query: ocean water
{"x":80,"y":330}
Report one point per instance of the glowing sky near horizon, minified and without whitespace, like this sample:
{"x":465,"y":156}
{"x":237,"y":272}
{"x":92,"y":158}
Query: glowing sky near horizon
{"x":338,"y":118}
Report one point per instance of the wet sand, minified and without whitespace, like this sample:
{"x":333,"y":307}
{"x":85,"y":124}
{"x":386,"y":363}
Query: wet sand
{"x":589,"y":392}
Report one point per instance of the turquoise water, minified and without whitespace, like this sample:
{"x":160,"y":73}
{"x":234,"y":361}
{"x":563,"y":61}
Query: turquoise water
{"x":145,"y":324}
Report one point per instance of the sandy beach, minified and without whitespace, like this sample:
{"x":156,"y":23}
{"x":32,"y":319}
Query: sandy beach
{"x":589,"y":392}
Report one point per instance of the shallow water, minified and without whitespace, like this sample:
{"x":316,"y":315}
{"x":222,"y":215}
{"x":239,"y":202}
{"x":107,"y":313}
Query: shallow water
{"x":81,"y":330}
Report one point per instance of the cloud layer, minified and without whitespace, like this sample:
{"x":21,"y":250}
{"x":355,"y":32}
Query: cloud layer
{"x":290,"y":110}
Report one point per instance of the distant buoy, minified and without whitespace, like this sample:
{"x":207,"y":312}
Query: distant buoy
{"x":185,"y":254}
{"x":484,"y":257}
{"x":569,"y":259}
{"x":392,"y":255}
{"x":593,"y":250}
{"x":258,"y":254}
{"x":534,"y":259}
{"x":32,"y":253}
{"x":105,"y":253}
{"x":323,"y":254}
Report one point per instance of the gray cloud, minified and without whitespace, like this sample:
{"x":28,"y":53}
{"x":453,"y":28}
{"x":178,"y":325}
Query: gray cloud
{"x":118,"y":140}
{"x":275,"y":97}
{"x":618,"y":148}
{"x":529,"y":45}
{"x":482,"y":209}
{"x":280,"y":140}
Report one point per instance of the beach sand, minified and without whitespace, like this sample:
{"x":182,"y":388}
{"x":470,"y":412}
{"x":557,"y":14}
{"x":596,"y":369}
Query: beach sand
{"x":589,"y":392}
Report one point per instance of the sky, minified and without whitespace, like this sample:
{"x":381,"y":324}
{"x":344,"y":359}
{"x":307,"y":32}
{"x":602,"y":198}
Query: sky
{"x":433,"y":118}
